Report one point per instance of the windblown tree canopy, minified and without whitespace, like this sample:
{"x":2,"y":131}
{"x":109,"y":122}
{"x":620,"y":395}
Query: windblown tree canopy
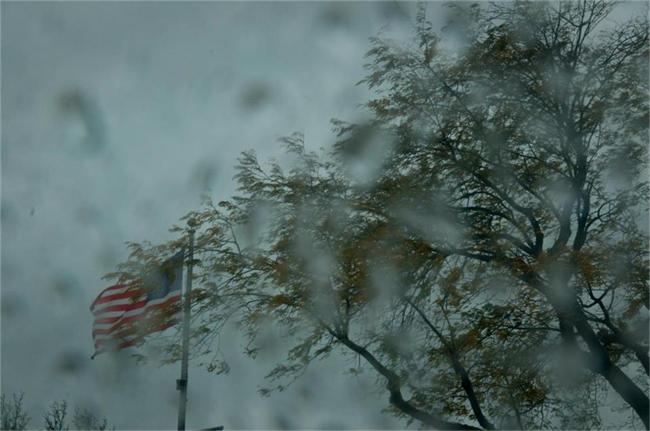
{"x":480,"y":244}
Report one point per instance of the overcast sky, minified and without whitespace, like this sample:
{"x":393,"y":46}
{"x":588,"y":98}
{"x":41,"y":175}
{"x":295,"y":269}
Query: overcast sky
{"x":116,"y":117}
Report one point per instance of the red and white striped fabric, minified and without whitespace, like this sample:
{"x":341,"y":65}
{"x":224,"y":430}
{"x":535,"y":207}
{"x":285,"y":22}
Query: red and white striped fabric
{"x":124,"y":315}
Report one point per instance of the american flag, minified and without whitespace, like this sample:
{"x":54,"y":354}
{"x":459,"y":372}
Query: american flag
{"x":125,"y":314}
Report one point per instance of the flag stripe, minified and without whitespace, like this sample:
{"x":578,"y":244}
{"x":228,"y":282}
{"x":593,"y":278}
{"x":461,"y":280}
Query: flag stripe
{"x":106,"y":329}
{"x":112,"y":290}
{"x":114,"y":287}
{"x":134,"y":315}
{"x":120,"y":306}
{"x":132,"y":311}
{"x":111,"y":298}
{"x":109,"y":291}
{"x":106,"y":319}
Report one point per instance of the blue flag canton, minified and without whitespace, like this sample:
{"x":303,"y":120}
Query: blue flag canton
{"x":170,"y":277}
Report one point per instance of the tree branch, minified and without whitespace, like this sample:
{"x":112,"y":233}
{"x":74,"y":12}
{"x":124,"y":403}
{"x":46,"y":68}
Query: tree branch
{"x":460,"y":371}
{"x":393,"y":386}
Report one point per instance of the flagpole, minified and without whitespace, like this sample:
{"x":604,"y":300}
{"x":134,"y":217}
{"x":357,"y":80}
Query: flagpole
{"x":181,"y":384}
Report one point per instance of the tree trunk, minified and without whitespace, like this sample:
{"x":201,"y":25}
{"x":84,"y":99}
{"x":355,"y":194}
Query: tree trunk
{"x":598,"y":360}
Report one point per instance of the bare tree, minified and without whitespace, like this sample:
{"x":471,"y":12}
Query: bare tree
{"x":56,"y":416}
{"x":84,"y":419}
{"x":12,"y":412}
